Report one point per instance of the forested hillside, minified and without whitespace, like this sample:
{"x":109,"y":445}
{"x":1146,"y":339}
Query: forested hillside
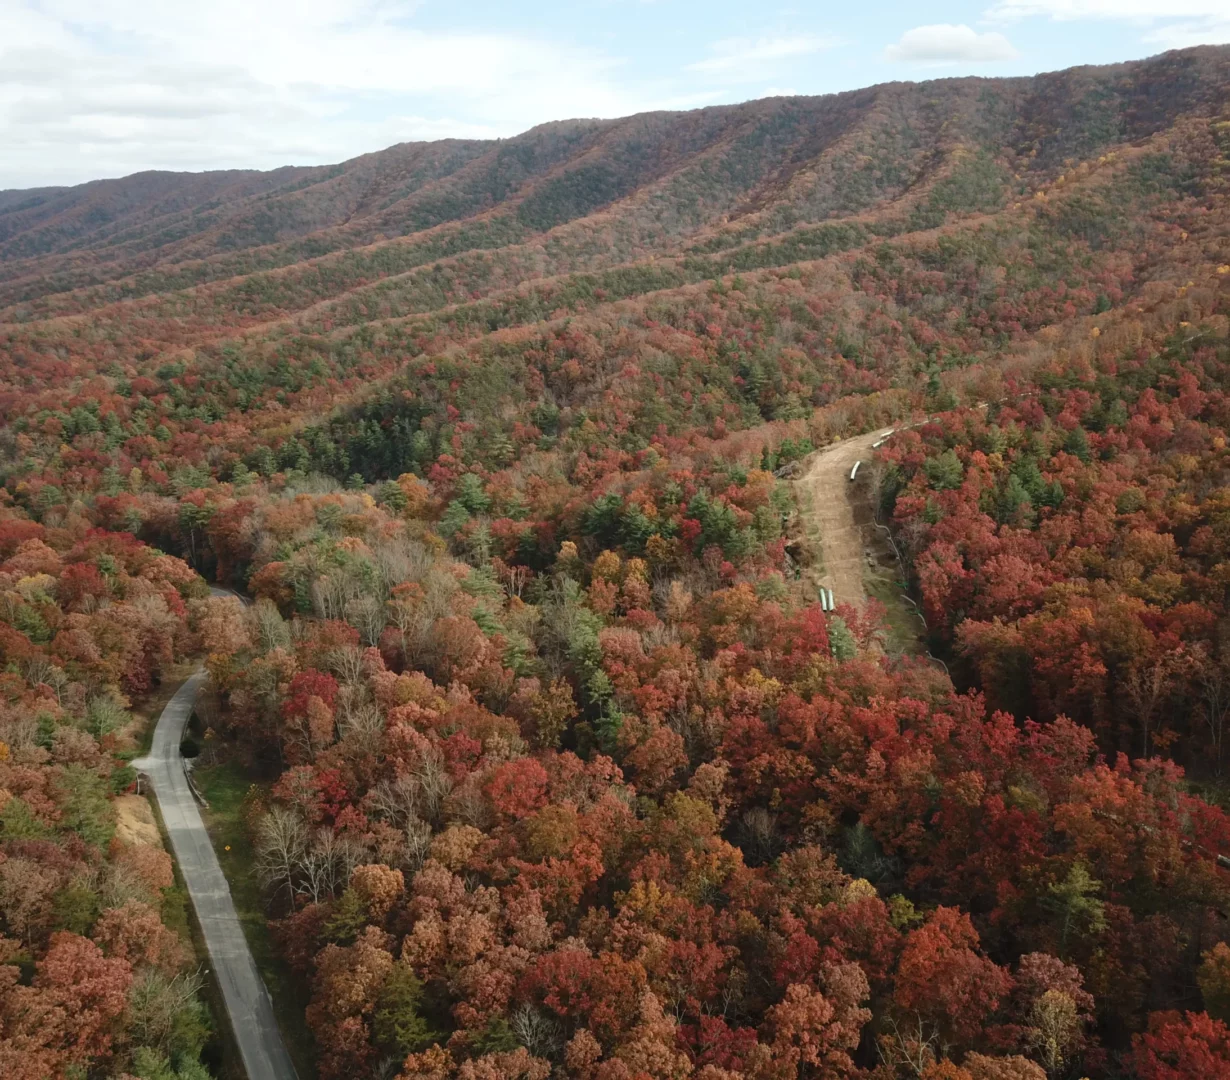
{"x":556,"y":765}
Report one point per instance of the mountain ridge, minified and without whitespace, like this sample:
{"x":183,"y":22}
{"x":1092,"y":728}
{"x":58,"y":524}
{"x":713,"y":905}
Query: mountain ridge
{"x":215,"y":225}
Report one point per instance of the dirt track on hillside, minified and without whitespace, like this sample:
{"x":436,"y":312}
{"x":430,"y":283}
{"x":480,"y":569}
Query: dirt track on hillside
{"x":828,"y":517}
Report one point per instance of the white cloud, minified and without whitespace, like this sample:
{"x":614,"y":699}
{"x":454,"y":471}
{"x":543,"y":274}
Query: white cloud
{"x":1183,"y":35}
{"x":93,"y":88}
{"x":1171,"y":24}
{"x":1109,"y":9}
{"x":943,"y":43}
{"x":750,"y":59}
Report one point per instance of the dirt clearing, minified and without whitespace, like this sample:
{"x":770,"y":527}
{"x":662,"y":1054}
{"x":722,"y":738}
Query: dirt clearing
{"x":830,"y":516}
{"x":850,"y":555}
{"x":134,"y":822}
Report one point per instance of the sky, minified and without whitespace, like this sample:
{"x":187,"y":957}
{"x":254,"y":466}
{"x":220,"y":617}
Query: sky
{"x":101,"y":88}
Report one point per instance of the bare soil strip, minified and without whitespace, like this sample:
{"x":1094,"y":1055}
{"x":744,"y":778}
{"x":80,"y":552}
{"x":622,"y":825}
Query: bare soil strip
{"x":849,"y":554}
{"x":831,"y":507}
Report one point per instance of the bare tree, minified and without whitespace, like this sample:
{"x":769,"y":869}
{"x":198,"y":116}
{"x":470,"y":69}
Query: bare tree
{"x":10,"y":604}
{"x":117,"y":884}
{"x":20,"y":732}
{"x":434,"y":782}
{"x":328,"y":864}
{"x":347,"y":663}
{"x":907,"y":1045}
{"x":398,"y":560}
{"x":360,"y":726}
{"x":333,"y":591}
{"x":271,"y":629}
{"x":396,"y":800}
{"x":281,"y":844}
{"x":516,"y":580}
{"x":353,"y":705}
{"x":360,"y":729}
{"x":539,"y":1033}
{"x":367,"y":614}
{"x":36,"y":669}
{"x":417,"y":844}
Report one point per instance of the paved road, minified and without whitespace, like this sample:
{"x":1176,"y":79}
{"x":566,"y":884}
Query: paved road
{"x":247,"y":1001}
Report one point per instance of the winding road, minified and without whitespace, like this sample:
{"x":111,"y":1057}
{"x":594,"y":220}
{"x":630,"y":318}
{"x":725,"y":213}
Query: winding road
{"x":243,"y":991}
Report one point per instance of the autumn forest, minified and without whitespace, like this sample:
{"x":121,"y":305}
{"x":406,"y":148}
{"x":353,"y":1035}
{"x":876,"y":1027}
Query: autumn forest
{"x":529,"y":745}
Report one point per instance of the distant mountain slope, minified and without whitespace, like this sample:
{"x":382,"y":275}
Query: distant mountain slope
{"x":980,"y":212}
{"x":649,"y":184}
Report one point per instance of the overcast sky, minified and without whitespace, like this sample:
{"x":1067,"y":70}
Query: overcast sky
{"x":98,"y":88}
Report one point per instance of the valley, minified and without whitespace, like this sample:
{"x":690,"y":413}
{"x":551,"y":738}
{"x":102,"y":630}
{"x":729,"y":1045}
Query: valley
{"x":493,"y":485}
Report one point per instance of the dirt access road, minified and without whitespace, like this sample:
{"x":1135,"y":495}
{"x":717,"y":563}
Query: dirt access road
{"x":834,"y":520}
